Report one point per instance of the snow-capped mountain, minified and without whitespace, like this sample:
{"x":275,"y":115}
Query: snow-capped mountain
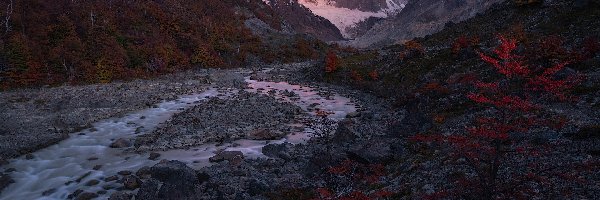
{"x":347,"y":14}
{"x":419,"y":18}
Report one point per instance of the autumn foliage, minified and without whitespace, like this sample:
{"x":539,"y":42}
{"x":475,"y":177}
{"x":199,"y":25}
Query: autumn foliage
{"x":513,"y":105}
{"x":331,"y":62}
{"x":64,"y":41}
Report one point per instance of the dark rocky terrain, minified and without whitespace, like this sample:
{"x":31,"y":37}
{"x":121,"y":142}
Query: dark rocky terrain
{"x":420,"y":18}
{"x":404,"y":91}
{"x":302,"y":20}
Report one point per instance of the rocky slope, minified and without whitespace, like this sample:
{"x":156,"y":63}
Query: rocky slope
{"x":420,"y":18}
{"x":302,"y":20}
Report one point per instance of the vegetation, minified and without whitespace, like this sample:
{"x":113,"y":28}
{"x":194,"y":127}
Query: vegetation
{"x":54,"y":42}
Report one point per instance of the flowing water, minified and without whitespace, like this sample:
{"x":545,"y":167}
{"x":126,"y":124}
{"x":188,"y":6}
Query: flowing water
{"x":61,"y":169}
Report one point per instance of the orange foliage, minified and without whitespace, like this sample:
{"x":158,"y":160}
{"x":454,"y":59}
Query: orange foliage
{"x":331,"y":62}
{"x":374,"y":75}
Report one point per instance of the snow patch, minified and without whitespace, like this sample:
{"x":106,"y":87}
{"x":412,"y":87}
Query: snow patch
{"x":344,"y":18}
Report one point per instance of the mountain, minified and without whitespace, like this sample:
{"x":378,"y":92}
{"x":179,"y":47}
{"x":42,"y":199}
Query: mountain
{"x":419,"y":18}
{"x":300,"y":19}
{"x":347,"y":14}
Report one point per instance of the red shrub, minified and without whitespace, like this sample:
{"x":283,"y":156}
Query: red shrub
{"x":331,"y":62}
{"x":514,"y":110}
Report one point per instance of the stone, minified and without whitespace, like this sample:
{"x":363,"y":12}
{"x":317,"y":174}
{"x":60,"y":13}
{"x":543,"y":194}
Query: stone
{"x":86,"y":196}
{"x":97,"y":167}
{"x":179,"y":180}
{"x":586,"y":133}
{"x":5,"y":180}
{"x":49,"y":192}
{"x":125,"y":173}
{"x":29,"y":156}
{"x":92,"y":158}
{"x":277,"y":151}
{"x":353,"y":115}
{"x":264,"y":134}
{"x":226,"y":155}
{"x":144,"y":172}
{"x":120,"y":195}
{"x":413,"y":123}
{"x":92,"y":182}
{"x":131,"y":182}
{"x":121,"y":143}
{"x":148,"y":190}
{"x":83,"y":176}
{"x":344,"y":133}
{"x":154,"y":156}
{"x":111,"y":178}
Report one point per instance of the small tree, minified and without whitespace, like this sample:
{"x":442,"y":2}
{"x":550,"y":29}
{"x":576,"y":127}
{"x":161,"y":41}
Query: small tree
{"x":512,"y":106}
{"x":331,"y":62}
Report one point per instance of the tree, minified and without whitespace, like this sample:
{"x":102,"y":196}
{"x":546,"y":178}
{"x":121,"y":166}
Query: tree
{"x":512,"y":106}
{"x":331,"y":62}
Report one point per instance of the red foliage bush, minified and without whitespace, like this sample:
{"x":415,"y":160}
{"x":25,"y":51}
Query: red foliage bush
{"x":331,"y":62}
{"x":355,"y":75}
{"x":374,"y":75}
{"x":362,"y":177}
{"x":463,"y":42}
{"x":515,"y":106}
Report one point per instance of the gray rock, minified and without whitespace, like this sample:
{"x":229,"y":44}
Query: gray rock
{"x":111,"y":178}
{"x":264,"y":134}
{"x":144,"y":172}
{"x":5,"y":180}
{"x":353,"y":115}
{"x":344,"y":132}
{"x":120,"y":195}
{"x":92,"y":182}
{"x":125,"y":173}
{"x":277,"y":151}
{"x":154,"y":156}
{"x":179,"y":180}
{"x":227,"y":155}
{"x":49,"y":192}
{"x":148,"y":190}
{"x":121,"y":143}
{"x":413,"y":123}
{"x":86,"y":196}
{"x":131,"y":182}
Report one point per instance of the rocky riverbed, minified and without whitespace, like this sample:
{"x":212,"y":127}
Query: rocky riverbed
{"x":270,"y":133}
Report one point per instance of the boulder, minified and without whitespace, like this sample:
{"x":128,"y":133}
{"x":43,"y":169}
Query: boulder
{"x":264,"y":134}
{"x":86,"y":196}
{"x":120,"y":195}
{"x":277,"y":151}
{"x":344,"y":132}
{"x":154,"y":156}
{"x":375,"y":151}
{"x":413,"y":123}
{"x":5,"y":180}
{"x":227,"y":155}
{"x":148,"y":190}
{"x":179,"y":180}
{"x":121,"y":143}
{"x":144,"y":172}
{"x":131,"y":182}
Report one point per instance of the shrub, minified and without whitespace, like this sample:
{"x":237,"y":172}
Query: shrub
{"x":331,"y":62}
{"x":513,"y":105}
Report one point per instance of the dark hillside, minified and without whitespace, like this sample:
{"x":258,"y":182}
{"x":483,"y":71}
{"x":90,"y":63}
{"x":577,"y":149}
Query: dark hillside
{"x":53,"y":42}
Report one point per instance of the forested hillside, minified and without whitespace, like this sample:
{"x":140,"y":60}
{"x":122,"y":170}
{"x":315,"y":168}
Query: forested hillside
{"x":54,"y":42}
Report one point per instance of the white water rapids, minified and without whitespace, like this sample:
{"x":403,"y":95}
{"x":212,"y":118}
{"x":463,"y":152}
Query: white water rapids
{"x":58,"y":166}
